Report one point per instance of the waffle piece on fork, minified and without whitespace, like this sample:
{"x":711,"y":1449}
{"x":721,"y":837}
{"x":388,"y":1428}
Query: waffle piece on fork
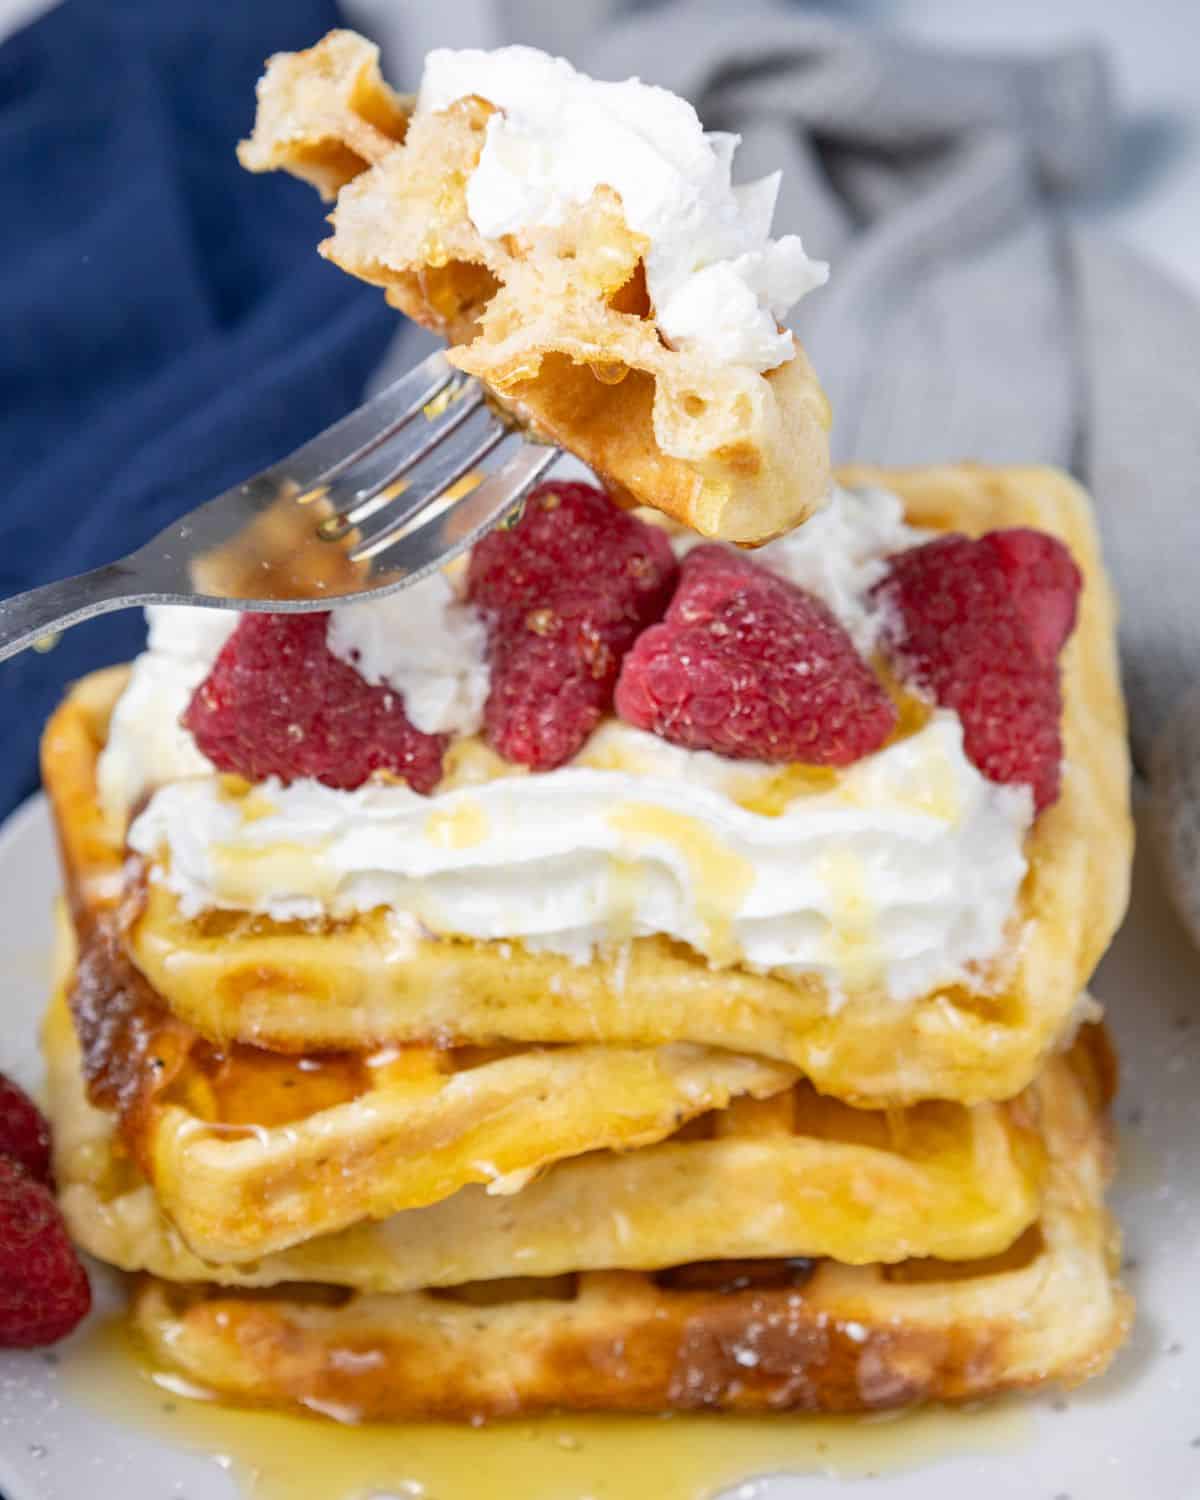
{"x":556,"y":322}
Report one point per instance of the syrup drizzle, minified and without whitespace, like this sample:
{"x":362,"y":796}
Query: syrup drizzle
{"x":274,"y":1456}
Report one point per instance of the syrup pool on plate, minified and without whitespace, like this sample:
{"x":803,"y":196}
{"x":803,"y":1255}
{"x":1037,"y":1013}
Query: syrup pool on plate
{"x":275,"y":1456}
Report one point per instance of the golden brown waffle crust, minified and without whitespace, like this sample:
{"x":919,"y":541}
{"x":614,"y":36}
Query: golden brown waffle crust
{"x":794,"y":1174}
{"x":823,"y":1337}
{"x":555,"y":321}
{"x":292,"y":989}
{"x":381,"y":1136}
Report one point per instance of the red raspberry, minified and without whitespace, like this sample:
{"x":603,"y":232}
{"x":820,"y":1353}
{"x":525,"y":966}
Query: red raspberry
{"x":978,"y":626}
{"x":24,"y":1134}
{"x":565,"y":592}
{"x":279,"y":703}
{"x":750,"y":666}
{"x":44,"y":1289}
{"x":1044,"y":582}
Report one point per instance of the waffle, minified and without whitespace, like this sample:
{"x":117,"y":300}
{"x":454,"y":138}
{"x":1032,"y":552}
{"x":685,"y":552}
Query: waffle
{"x":745,"y":1335}
{"x":556,"y":322}
{"x":293,"y":987}
{"x":796,"y":1173}
{"x":250,"y":1151}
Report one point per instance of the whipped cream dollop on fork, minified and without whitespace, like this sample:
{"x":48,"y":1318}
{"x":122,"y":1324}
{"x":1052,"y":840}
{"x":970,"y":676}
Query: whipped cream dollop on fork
{"x":718,"y":283}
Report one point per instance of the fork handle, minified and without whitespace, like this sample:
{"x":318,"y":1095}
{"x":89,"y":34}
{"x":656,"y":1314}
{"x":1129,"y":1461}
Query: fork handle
{"x":39,"y":612}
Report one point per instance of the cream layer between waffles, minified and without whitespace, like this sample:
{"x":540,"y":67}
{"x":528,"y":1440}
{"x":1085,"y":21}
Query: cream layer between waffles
{"x":901,"y":870}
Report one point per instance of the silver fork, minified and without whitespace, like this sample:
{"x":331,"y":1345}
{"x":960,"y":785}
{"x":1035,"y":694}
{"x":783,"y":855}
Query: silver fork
{"x":373,"y":504}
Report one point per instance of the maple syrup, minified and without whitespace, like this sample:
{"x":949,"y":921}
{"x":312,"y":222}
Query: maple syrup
{"x":275,"y":1456}
{"x":721,"y":878}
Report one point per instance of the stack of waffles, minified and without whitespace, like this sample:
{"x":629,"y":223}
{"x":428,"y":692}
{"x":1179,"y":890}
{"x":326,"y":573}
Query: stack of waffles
{"x":478,"y":1070}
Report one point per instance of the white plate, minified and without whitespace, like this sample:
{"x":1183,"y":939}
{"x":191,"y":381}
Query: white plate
{"x":1136,"y":1431}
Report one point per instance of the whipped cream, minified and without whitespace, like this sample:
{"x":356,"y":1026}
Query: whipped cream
{"x":431,"y":647}
{"x":902,"y":871}
{"x":427,"y":645}
{"x":902,"y":874}
{"x":147,"y":746}
{"x":719,"y":284}
{"x":839,"y":555}
{"x":423,"y":642}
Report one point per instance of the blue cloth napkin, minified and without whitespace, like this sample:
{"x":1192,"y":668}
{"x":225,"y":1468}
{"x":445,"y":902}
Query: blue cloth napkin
{"x":166,"y":327}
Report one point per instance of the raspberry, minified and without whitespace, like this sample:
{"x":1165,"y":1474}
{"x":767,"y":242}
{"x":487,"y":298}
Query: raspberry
{"x":279,"y":703}
{"x":751,"y":666}
{"x":1044,"y":582}
{"x":978,"y":626}
{"x":44,"y":1289}
{"x":565,"y":593}
{"x":24,"y":1134}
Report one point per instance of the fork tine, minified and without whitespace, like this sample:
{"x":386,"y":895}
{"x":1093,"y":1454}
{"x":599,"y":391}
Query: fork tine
{"x":362,"y":489}
{"x":361,"y":431}
{"x":439,"y":537}
{"x":403,"y":512}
